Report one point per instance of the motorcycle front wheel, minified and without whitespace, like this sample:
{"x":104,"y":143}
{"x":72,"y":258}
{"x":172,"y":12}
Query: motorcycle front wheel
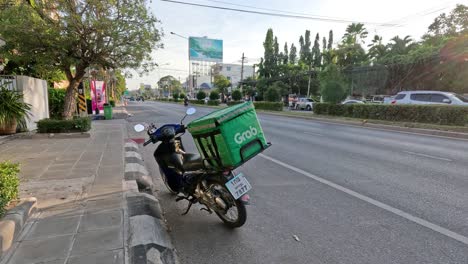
{"x":236,"y":214}
{"x":164,"y":178}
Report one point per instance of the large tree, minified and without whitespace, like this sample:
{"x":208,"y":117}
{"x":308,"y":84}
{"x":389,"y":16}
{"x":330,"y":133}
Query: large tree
{"x":286,"y":54}
{"x":293,"y":54}
{"x":356,"y":33}
{"x":330,"y":40}
{"x":222,"y":83}
{"x":317,"y":55}
{"x":267,"y":65}
{"x":72,"y":36}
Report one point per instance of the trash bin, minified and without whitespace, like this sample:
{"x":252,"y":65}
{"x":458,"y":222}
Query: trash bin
{"x":107,"y":111}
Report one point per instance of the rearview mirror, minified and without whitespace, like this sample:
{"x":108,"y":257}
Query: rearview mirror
{"x":446,"y":101}
{"x":139,"y":127}
{"x":191,"y":111}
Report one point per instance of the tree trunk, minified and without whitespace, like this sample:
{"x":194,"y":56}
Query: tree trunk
{"x":69,"y":105}
{"x":70,"y":99}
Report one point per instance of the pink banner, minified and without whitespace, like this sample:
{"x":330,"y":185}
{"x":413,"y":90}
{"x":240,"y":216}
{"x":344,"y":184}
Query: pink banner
{"x":98,"y":94}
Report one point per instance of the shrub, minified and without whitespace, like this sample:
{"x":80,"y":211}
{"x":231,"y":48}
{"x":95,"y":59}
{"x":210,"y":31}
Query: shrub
{"x":112,"y":103}
{"x":201,"y":102}
{"x":236,"y":95}
{"x":214,"y":95}
{"x":274,"y":106}
{"x":272,"y":94}
{"x":8,"y":184}
{"x":213,"y":102}
{"x":233,"y":103}
{"x":434,"y":114}
{"x":201,"y":95}
{"x":175,"y":96}
{"x":333,"y":92}
{"x":56,"y":101}
{"x":78,"y":124}
{"x":182,"y":96}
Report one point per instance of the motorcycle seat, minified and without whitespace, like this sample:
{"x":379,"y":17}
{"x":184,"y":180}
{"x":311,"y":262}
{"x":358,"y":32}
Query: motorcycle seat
{"x":192,"y":162}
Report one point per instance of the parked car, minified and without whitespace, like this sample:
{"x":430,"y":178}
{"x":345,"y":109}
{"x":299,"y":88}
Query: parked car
{"x":352,"y":101}
{"x":429,"y":97}
{"x":305,"y":103}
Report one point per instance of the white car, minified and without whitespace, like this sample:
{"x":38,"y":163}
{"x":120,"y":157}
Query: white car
{"x":305,"y":103}
{"x":352,"y":101}
{"x":429,"y":97}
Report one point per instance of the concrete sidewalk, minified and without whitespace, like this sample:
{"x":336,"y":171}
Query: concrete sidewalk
{"x":78,"y":184}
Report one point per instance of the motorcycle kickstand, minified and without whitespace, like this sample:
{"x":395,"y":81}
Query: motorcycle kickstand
{"x":206,"y":209}
{"x":191,"y":202}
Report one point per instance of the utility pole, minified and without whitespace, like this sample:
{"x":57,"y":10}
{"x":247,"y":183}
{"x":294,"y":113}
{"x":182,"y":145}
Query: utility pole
{"x":242,"y":72}
{"x":310,"y":77}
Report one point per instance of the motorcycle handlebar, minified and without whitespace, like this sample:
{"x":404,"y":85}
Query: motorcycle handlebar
{"x":147,"y":142}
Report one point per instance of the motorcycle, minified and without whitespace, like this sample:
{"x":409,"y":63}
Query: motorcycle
{"x":189,"y":176}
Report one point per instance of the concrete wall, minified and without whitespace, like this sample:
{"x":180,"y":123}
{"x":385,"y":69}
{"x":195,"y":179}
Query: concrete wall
{"x":35,"y":93}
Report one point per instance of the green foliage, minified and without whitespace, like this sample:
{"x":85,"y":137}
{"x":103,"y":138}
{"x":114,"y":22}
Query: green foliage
{"x":222,"y":83}
{"x":182,"y":96}
{"x":333,"y":92}
{"x":272,"y":106}
{"x":201,"y":95}
{"x":434,"y":114}
{"x":213,"y":102}
{"x":272,"y":94}
{"x":112,"y":103}
{"x":9,"y":183}
{"x":55,"y":37}
{"x":214,"y":95}
{"x":12,"y":108}
{"x":236,"y":95}
{"x":77,"y":124}
{"x":175,"y":96}
{"x":199,"y":102}
{"x":56,"y":100}
{"x":231,"y":103}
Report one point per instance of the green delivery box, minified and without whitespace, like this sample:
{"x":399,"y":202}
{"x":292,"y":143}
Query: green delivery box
{"x":229,"y":137}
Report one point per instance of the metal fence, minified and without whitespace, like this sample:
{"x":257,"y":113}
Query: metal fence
{"x":9,"y":82}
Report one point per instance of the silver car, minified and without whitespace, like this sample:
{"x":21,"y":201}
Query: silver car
{"x":429,"y":97}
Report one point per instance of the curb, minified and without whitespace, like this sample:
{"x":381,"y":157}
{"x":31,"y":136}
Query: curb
{"x":60,"y":135}
{"x":149,"y":241}
{"x":13,"y":222}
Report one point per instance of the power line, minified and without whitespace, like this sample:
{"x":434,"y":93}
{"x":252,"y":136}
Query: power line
{"x":281,"y":15}
{"x":274,"y":10}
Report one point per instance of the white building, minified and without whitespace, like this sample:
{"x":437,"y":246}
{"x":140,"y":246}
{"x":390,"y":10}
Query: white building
{"x":233,"y":72}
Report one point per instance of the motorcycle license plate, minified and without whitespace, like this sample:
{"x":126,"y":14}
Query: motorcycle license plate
{"x":238,"y":186}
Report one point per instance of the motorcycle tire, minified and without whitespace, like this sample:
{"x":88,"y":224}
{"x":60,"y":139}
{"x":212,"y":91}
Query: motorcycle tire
{"x":164,"y":178}
{"x":238,"y":205}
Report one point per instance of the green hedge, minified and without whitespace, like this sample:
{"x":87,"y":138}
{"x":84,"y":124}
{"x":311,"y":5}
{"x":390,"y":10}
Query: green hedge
{"x":112,"y":103}
{"x":230,"y":103}
{"x":78,"y":124}
{"x":200,"y":102}
{"x":56,"y":102}
{"x":213,"y":102}
{"x":273,"y":106}
{"x":433,"y":114}
{"x":8,"y":184}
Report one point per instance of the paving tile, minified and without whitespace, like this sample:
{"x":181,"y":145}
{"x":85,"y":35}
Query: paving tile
{"x":54,"y":175}
{"x":97,"y":241}
{"x":55,"y":167}
{"x":107,"y":257}
{"x":100,"y":220}
{"x":53,"y":227}
{"x":42,"y":250}
{"x":113,"y":200}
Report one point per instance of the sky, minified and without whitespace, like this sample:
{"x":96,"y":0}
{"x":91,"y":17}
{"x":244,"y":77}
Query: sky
{"x":245,"y":33}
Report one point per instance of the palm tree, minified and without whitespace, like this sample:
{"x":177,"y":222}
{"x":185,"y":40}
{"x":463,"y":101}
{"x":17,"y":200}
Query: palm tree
{"x":401,"y":46}
{"x":356,"y":32}
{"x":377,"y":49}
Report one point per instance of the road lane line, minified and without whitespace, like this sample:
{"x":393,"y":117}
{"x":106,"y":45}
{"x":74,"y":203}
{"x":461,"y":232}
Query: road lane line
{"x":312,"y":133}
{"x":427,"y":156}
{"x":412,"y":218}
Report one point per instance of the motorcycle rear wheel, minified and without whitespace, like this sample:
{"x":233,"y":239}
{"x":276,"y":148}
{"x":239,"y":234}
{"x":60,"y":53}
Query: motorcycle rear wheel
{"x":236,"y":215}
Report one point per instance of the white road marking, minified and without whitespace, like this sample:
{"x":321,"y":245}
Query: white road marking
{"x":426,"y":156}
{"x":412,"y":218}
{"x":312,"y":133}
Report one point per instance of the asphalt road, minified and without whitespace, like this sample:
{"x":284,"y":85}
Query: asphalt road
{"x":350,"y":194}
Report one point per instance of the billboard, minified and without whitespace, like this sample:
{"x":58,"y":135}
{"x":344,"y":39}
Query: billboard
{"x":204,"y":49}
